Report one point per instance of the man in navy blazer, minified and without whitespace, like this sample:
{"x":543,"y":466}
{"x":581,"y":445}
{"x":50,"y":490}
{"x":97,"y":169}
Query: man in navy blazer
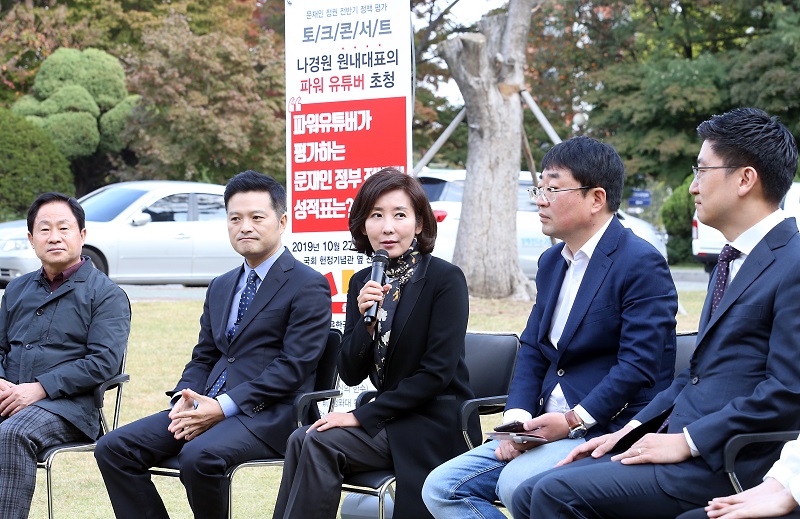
{"x":233,"y":402}
{"x":599,"y":343}
{"x":744,"y":376}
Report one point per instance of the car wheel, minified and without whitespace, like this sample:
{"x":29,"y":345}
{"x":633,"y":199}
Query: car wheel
{"x":97,"y":259}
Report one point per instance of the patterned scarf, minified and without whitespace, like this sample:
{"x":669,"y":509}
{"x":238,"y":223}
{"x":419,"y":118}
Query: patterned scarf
{"x":398,"y":272}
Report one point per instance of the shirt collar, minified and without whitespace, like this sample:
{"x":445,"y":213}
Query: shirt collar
{"x":61,"y":278}
{"x":588,"y":248}
{"x":748,"y":240}
{"x":263,"y":268}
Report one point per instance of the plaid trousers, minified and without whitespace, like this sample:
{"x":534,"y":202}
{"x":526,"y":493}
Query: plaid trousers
{"x":22,"y":437}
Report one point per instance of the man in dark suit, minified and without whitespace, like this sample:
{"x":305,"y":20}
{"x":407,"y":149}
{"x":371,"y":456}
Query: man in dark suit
{"x":262,"y":332}
{"x":744,"y":375}
{"x":63,"y":331}
{"x":599,"y":343}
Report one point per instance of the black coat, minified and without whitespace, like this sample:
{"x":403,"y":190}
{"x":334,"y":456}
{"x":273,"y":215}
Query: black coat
{"x":426,"y":379}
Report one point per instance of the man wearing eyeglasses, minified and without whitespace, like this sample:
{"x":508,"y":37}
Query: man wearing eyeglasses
{"x":744,"y":376}
{"x":599,"y":343}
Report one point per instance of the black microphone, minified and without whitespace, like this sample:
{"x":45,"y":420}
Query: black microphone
{"x":379,"y":261}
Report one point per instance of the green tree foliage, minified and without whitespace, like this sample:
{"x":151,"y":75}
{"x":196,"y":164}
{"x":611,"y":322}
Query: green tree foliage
{"x":75,"y":134}
{"x":123,"y":23}
{"x":31,"y":164}
{"x":28,"y":36}
{"x":71,"y":99}
{"x":677,"y":214}
{"x":766,"y":73}
{"x":96,"y":71}
{"x":113,"y":123}
{"x":211,"y":105}
{"x":647,"y":72}
{"x":649,"y":113}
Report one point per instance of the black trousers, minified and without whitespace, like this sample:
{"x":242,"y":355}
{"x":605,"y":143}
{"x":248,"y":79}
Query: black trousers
{"x":125,"y":455}
{"x":316,"y":464}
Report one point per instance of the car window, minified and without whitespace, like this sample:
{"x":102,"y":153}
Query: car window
{"x":107,"y":204}
{"x":173,"y":208}
{"x":210,"y":207}
{"x":432,"y":187}
{"x":452,"y":191}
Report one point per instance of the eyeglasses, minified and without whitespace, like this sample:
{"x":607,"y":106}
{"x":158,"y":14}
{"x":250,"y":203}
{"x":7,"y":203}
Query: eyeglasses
{"x":698,"y":170}
{"x":549,"y":193}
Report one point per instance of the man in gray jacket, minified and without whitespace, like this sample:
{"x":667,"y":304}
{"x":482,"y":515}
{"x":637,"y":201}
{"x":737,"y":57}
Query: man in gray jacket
{"x":63,"y":331}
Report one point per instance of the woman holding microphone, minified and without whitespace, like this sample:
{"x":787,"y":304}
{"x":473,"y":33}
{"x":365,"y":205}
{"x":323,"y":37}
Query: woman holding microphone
{"x":412,"y":351}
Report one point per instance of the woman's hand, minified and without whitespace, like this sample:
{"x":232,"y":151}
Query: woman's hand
{"x":332,"y":420}
{"x":769,"y":499}
{"x":371,"y":294}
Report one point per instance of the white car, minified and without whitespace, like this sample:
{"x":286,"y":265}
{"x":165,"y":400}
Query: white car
{"x":445,"y":189}
{"x":144,"y":232}
{"x":707,"y":242}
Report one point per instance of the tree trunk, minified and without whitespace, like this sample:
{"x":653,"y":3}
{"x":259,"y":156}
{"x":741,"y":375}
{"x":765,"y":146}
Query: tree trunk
{"x":488,"y":68}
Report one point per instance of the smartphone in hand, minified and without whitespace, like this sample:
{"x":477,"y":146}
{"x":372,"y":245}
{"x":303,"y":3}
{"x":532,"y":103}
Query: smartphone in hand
{"x":515,"y":426}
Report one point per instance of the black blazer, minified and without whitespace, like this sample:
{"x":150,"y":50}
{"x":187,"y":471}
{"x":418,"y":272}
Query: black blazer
{"x":426,"y":378}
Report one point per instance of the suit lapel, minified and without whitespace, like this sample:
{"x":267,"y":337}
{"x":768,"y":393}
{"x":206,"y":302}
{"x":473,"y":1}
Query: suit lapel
{"x":596,"y":272}
{"x":408,"y":300}
{"x":705,"y":313}
{"x":551,"y":298}
{"x":220,"y":308}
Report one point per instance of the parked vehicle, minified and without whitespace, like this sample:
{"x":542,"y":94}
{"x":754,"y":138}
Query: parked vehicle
{"x":445,"y":189}
{"x":707,"y":242}
{"x":145,"y":232}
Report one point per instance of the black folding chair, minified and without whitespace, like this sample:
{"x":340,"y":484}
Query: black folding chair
{"x":740,"y":441}
{"x":46,"y":458}
{"x":490,"y":359}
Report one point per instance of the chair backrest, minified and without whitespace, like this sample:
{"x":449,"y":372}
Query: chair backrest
{"x":490,"y":359}
{"x":327,"y":375}
{"x":326,"y":369}
{"x":684,"y":348}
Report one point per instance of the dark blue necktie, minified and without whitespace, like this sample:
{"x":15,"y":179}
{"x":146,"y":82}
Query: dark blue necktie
{"x":246,"y":298}
{"x":248,"y":294}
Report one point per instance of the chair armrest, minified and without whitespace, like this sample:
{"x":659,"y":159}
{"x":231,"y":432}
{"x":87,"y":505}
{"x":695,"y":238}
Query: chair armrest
{"x":738,"y":442}
{"x":113,"y":382}
{"x":470,"y":406}
{"x":302,"y":401}
{"x":365,"y":397}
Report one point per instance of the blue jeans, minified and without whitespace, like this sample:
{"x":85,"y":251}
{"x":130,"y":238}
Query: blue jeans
{"x":467,"y":485}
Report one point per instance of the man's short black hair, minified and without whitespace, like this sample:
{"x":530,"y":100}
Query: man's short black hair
{"x":750,"y":137}
{"x":592,"y":163}
{"x":46,"y":198}
{"x":250,"y":180}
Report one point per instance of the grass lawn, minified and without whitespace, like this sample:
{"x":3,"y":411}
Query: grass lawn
{"x":162,"y":337}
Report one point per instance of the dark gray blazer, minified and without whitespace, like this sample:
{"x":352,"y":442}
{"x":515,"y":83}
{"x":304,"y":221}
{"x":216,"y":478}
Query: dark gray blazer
{"x":69,"y":341}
